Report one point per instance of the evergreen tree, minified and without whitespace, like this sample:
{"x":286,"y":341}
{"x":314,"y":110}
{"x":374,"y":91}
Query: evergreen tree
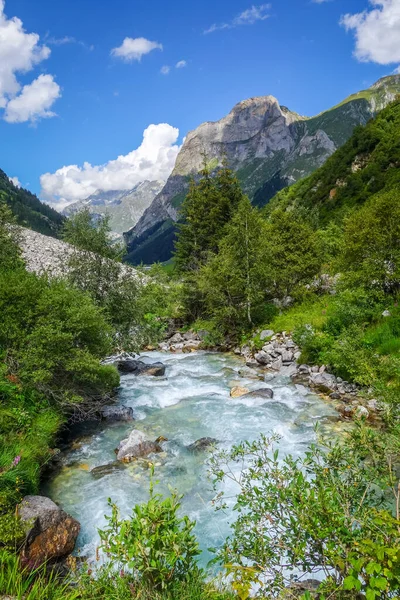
{"x":206,"y":210}
{"x":233,"y":281}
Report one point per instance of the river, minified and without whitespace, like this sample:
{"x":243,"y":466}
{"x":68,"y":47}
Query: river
{"x":192,"y":401}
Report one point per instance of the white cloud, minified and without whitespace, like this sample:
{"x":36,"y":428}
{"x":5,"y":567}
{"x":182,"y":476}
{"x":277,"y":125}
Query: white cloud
{"x":34,"y":101}
{"x":247,"y":17}
{"x":153,"y":159}
{"x":20,"y":52}
{"x":376,"y":31}
{"x":15,"y":181}
{"x":165,"y":70}
{"x":181,"y":64}
{"x":67,"y":39}
{"x":133,"y":49}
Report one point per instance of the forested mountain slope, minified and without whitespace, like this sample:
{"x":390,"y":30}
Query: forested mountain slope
{"x":369,"y":162}
{"x":28,"y":210}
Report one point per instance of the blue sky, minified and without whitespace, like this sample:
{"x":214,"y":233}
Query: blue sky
{"x":92,"y":98}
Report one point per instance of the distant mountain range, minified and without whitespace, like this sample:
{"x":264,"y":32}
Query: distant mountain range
{"x":268,"y":146}
{"x":28,"y":209}
{"x":125,"y":207}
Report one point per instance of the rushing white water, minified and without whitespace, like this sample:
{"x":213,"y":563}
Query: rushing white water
{"x":190,"y":402}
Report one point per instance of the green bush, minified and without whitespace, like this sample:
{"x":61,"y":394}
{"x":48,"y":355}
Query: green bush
{"x":155,"y":544}
{"x":329,"y":513}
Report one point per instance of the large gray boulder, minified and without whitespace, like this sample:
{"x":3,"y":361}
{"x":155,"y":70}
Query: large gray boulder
{"x":263,"y":393}
{"x":137,"y":445}
{"x":138,"y":367}
{"x":50,"y":532}
{"x":202,"y":444}
{"x":324,"y":382}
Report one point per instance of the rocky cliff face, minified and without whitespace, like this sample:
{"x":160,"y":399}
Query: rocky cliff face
{"x":125,"y":207}
{"x":267,"y":145}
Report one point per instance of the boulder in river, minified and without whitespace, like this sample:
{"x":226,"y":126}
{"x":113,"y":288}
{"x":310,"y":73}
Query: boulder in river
{"x":202,"y":444}
{"x":117,"y":413}
{"x":103,"y":470}
{"x":138,"y":367}
{"x":50,"y":532}
{"x":263,"y":393}
{"x":137,"y":445}
{"x":238,"y":391}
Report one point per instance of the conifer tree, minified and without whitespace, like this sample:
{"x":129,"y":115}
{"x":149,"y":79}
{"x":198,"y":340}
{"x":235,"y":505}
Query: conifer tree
{"x":207,"y":208}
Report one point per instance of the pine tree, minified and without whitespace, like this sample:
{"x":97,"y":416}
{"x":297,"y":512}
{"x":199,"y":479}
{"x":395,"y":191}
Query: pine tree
{"x":207,"y":208}
{"x":233,"y":281}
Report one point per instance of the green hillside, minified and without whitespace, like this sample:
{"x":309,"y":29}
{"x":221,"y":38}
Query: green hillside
{"x":369,"y":162}
{"x":28,"y":210}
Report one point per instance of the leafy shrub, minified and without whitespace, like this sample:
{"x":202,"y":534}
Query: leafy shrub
{"x":155,"y":544}
{"x":329,"y":513}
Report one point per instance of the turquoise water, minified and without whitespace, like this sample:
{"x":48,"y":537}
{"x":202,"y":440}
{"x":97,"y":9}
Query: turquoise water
{"x":190,"y":402}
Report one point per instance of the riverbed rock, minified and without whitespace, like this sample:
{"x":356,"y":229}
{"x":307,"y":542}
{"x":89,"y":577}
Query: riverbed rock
{"x":138,"y":367}
{"x":362,"y":412}
{"x":103,"y":470}
{"x":117,"y":413}
{"x":277,"y":364}
{"x":263,"y":393}
{"x":177,"y":338}
{"x":202,"y":444}
{"x":238,"y":391}
{"x":262,"y":358}
{"x":323,"y":382}
{"x":137,"y":445}
{"x":50,"y":532}
{"x":267,"y":333}
{"x":249,"y":373}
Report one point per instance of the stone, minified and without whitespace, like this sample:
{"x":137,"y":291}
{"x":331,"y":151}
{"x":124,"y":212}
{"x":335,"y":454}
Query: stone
{"x":107,"y":469}
{"x":177,"y":338}
{"x":267,"y":333}
{"x":137,"y":445}
{"x":297,"y":355}
{"x":315,"y":369}
{"x":192,"y":345}
{"x":287,"y":356}
{"x":335,"y":396}
{"x":362,"y":412}
{"x":138,"y":367}
{"x":277,"y":364}
{"x":177,"y":347}
{"x":252,"y":363}
{"x":117,"y":413}
{"x":386,"y":313}
{"x":263,"y":393}
{"x":249,"y":373}
{"x":290,"y":345}
{"x":50,"y":532}
{"x":238,"y":391}
{"x":374,"y":405}
{"x":190,"y":336}
{"x":324,"y":382}
{"x":202,"y":444}
{"x":268,"y":348}
{"x":322,"y":369}
{"x":303,"y":370}
{"x":262,"y":358}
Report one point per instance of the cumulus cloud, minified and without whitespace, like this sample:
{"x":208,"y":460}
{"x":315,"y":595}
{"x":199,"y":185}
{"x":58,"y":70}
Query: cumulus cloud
{"x":181,"y":64}
{"x":247,"y":17}
{"x":15,"y":181}
{"x":134,"y":48}
{"x":165,"y":70}
{"x":376,"y":31}
{"x":34,"y":101}
{"x":21,"y":52}
{"x":153,"y":159}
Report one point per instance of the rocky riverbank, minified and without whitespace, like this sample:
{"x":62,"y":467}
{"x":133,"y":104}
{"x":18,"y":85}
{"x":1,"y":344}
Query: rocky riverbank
{"x":280,"y":354}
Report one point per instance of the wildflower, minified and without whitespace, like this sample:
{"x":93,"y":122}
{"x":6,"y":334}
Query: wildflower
{"x":16,"y":461}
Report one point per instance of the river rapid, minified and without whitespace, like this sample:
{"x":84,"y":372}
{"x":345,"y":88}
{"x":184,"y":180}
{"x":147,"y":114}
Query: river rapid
{"x":192,"y":401}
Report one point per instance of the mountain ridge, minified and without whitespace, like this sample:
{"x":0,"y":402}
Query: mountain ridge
{"x":266,"y":144}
